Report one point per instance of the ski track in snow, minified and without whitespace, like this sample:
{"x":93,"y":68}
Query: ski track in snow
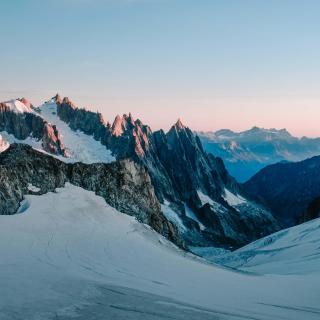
{"x":70,"y":255}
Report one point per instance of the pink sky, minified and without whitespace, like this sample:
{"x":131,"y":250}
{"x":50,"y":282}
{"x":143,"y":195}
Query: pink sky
{"x":300,"y":116}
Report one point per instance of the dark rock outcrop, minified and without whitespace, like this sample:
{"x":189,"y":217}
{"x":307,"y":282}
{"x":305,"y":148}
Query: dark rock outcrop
{"x":123,"y":184}
{"x":287,"y":188}
{"x":28,"y":124}
{"x":313,"y":211}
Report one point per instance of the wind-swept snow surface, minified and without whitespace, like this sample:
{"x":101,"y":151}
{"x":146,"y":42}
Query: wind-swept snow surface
{"x":69,"y":255}
{"x":82,"y":147}
{"x":291,"y":251}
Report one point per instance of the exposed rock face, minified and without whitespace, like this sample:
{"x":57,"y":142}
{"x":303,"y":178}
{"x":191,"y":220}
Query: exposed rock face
{"x":287,"y":188}
{"x":26,"y":102}
{"x":176,"y":161}
{"x":188,"y":166}
{"x":28,"y":124}
{"x":179,"y":169}
{"x":126,"y":138}
{"x":313,"y":210}
{"x":123,"y":184}
{"x":3,"y":144}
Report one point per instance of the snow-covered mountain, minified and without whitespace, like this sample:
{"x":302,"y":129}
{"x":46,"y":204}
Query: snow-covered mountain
{"x":81,"y":147}
{"x":19,"y":121}
{"x":69,"y":255}
{"x":195,"y":190}
{"x":246,"y":152}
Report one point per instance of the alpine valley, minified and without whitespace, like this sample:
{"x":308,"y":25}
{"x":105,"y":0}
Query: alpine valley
{"x":111,"y":220}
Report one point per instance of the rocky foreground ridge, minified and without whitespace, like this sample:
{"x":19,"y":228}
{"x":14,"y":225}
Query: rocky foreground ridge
{"x":124,"y":184}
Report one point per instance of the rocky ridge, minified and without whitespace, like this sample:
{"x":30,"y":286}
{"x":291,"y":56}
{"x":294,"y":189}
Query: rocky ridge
{"x":288,"y":189}
{"x":181,"y":172}
{"x":17,"y":118}
{"x":123,"y":184}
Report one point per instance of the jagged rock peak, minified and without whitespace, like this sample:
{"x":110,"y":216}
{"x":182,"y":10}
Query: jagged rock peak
{"x":122,"y":123}
{"x":66,"y":100}
{"x":129,"y":118}
{"x":101,"y":118}
{"x":118,"y":126}
{"x":179,"y":125}
{"x":26,"y":102}
{"x":57,"y":98}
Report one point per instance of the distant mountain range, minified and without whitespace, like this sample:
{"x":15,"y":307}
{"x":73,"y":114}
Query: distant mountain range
{"x":245,"y":153}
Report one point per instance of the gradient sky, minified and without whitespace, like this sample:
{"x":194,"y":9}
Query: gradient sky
{"x":216,"y":64}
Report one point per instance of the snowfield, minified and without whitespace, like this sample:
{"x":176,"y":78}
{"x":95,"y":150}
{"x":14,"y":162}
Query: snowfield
{"x":291,"y":251}
{"x":10,"y":139}
{"x":68,"y":255}
{"x":82,"y":147}
{"x":233,"y":199}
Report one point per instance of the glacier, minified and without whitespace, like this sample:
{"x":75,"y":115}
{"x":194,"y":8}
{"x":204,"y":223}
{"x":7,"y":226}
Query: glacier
{"x":69,"y":255}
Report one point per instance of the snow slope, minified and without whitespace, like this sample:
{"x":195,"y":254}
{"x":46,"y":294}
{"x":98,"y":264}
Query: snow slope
{"x":34,"y":143}
{"x":233,"y":199}
{"x":82,"y":147}
{"x":17,"y":106}
{"x":172,"y":216}
{"x":68,"y":255}
{"x":291,"y":251}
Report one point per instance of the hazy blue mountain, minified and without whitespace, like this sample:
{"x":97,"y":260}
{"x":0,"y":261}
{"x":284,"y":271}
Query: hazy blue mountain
{"x":291,"y":190}
{"x":245,"y":153}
